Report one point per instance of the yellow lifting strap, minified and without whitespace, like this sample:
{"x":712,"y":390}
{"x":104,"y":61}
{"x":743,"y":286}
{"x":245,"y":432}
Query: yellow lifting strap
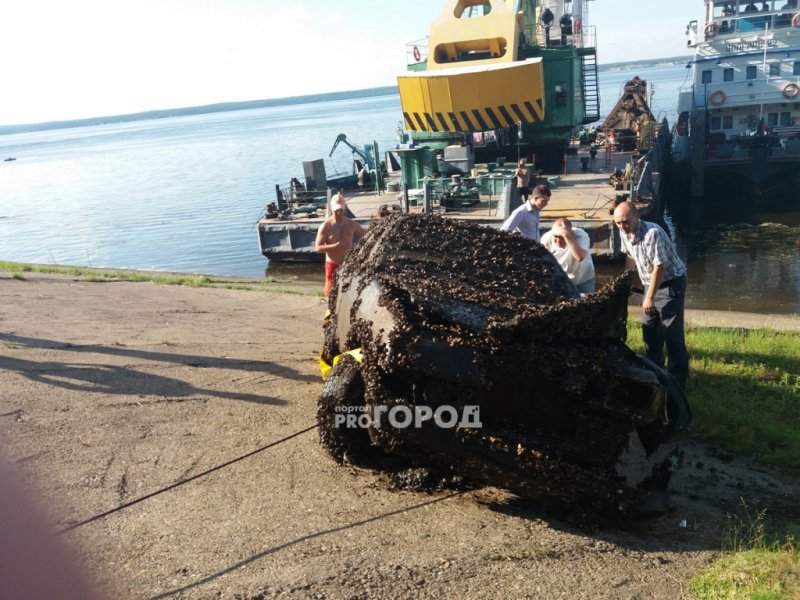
{"x":325,"y":368}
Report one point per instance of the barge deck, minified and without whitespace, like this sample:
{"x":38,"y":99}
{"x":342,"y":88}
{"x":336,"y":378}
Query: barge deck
{"x":586,"y":196}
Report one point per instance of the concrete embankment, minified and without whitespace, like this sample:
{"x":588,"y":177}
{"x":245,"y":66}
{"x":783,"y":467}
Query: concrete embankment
{"x":734,"y":319}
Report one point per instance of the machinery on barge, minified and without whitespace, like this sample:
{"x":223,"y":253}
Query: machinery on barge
{"x":499,"y":78}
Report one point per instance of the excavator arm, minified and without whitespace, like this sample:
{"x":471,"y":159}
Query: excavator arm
{"x":356,"y":150}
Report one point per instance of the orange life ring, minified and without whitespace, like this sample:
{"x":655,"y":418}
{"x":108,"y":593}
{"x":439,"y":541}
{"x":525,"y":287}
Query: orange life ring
{"x":717,"y":98}
{"x":711,"y":30}
{"x":417,"y":55}
{"x":790,"y":90}
{"x":796,"y":20}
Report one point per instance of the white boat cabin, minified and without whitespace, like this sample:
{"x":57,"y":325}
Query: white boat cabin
{"x":746,"y":68}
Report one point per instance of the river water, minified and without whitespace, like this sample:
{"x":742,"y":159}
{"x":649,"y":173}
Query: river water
{"x":182,"y":194}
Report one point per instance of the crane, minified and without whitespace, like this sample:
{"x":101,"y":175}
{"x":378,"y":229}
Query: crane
{"x":365,"y":156}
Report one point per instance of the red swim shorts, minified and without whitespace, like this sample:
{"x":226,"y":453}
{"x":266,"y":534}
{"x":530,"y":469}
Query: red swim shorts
{"x":330,"y":269}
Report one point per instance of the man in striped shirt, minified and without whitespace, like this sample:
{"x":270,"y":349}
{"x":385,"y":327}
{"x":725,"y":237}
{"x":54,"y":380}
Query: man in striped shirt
{"x":663,"y":275}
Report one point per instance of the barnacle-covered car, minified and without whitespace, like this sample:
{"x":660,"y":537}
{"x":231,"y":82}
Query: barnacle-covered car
{"x":468,"y":351}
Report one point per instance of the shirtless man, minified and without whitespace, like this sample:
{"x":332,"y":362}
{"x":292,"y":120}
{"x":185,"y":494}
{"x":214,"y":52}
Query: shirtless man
{"x":335,"y":238}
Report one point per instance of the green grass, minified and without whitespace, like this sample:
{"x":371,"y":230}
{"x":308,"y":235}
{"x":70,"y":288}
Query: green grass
{"x":771,"y":572}
{"x":17,"y":271}
{"x":753,"y":566}
{"x":744,"y":390}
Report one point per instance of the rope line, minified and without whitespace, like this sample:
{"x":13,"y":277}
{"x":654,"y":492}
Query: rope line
{"x":183,"y":481}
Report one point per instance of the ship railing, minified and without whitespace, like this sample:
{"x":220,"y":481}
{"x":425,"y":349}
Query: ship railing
{"x":417,"y":52}
{"x":743,"y":147}
{"x":744,"y":93}
{"x":295,"y":198}
{"x":747,"y":23}
{"x":582,"y":36}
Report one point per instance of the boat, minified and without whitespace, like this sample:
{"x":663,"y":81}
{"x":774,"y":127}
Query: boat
{"x":737,"y":136}
{"x":488,"y":86}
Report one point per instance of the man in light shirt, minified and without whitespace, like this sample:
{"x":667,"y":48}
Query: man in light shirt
{"x":524,"y":220}
{"x":663,"y":275}
{"x":570,"y":247}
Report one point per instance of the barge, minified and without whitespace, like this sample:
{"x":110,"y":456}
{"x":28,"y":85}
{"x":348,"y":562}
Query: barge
{"x":489,"y":86}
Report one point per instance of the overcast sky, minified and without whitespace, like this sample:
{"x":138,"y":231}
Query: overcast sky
{"x":68,"y":59}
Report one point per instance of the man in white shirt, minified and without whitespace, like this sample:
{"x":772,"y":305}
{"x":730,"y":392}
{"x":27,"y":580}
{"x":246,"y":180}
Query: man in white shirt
{"x":524,"y":220}
{"x":571,"y":248}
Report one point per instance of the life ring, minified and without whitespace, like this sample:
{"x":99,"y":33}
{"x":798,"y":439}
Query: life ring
{"x":717,"y":98}
{"x":578,"y":27}
{"x":796,"y":20}
{"x":711,"y":30}
{"x":790,"y":90}
{"x":417,"y":55}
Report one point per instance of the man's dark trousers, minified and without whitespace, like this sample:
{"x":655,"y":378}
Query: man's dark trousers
{"x":666,"y":327}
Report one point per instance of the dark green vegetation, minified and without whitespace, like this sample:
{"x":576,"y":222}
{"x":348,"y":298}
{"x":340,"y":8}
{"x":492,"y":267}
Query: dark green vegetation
{"x":18,"y":271}
{"x":754,"y":566}
{"x":197,"y":110}
{"x":644,"y":63}
{"x":744,"y":389}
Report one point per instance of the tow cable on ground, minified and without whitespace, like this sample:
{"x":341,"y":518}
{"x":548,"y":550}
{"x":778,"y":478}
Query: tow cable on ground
{"x":182,"y":481}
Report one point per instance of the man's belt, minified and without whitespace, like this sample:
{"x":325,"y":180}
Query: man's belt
{"x":669,"y":282}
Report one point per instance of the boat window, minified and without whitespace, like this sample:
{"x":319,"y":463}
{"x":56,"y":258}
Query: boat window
{"x":796,"y":68}
{"x":707,"y":74}
{"x":751,"y":71}
{"x":786,"y":118}
{"x":727,"y":75}
{"x":716,"y":123}
{"x":727,"y":122}
{"x":774,"y":69}
{"x":772,"y":119}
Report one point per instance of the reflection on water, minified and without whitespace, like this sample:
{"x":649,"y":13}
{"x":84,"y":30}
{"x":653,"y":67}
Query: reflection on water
{"x":739,"y":259}
{"x":736,"y":260}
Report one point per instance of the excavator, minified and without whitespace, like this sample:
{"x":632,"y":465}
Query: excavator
{"x":365,"y":167}
{"x":492,"y":76}
{"x":365,"y":154}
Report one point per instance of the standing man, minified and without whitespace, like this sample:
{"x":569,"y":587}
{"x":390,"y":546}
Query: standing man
{"x":524,"y":220}
{"x":663,"y":275}
{"x":523,"y":180}
{"x":570,"y":247}
{"x":565,"y":22}
{"x":335,"y":238}
{"x":547,"y":20}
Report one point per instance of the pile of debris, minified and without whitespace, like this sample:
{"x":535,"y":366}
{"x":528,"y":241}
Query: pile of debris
{"x":631,"y":117}
{"x":477,"y":357}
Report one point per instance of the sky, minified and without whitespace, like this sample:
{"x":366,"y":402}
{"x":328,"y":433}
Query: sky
{"x":71,"y":59}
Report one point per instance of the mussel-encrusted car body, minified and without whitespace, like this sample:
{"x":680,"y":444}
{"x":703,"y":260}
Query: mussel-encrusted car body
{"x":449,"y":316}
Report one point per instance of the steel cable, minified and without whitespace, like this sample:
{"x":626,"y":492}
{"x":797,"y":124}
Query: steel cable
{"x":183,"y":481}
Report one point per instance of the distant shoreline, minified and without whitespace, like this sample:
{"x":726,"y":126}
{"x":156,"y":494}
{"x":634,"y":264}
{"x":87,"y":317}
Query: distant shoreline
{"x":250,"y":104}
